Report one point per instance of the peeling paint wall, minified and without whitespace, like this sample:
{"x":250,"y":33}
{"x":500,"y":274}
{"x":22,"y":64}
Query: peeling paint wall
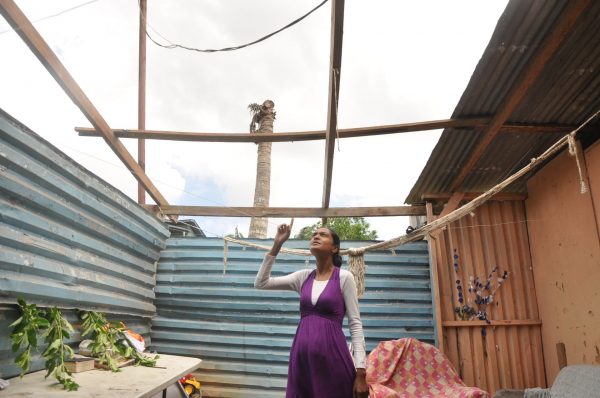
{"x":565,"y":250}
{"x":69,"y":239}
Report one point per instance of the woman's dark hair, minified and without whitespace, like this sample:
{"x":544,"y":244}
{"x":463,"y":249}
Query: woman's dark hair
{"x":337,"y":258}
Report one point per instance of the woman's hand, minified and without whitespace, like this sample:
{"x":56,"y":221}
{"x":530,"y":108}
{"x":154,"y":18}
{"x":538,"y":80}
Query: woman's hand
{"x":360,"y":389}
{"x":282,"y":234}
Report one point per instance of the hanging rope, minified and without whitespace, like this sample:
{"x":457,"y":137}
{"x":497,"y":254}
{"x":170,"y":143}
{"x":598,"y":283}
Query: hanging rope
{"x":356,"y":255}
{"x":575,"y":150}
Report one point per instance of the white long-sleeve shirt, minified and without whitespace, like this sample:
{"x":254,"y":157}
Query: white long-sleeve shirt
{"x":294,"y":282}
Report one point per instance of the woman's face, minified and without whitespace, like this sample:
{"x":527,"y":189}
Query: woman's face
{"x":322,"y":242}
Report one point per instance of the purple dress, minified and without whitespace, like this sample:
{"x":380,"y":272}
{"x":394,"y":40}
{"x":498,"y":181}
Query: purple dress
{"x":320,"y":362}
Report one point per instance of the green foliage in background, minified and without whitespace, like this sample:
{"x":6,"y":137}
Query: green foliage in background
{"x":348,"y":228}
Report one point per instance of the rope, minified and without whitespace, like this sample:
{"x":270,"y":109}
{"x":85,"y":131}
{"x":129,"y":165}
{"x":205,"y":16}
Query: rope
{"x":356,"y":255}
{"x":575,"y":150}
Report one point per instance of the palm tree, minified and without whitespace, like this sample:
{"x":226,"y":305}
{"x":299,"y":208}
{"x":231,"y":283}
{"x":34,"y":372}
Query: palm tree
{"x":263,"y":116}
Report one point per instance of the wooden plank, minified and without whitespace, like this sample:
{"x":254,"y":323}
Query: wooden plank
{"x":283,"y":212}
{"x":463,"y":124}
{"x":494,"y":322}
{"x":435,"y":282}
{"x":131,"y":381}
{"x":335,"y":72}
{"x":142,"y":94}
{"x":561,"y":353}
{"x":500,"y":196}
{"x":552,"y":41}
{"x":453,"y":204}
{"x":23,"y":27}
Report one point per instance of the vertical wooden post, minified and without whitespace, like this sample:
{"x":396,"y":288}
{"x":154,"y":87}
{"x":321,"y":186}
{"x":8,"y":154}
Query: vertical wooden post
{"x":435,"y":282}
{"x":142,"y":95}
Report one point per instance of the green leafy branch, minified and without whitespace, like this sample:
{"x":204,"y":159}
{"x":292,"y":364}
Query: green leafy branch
{"x":56,"y":352}
{"x":56,"y":329}
{"x":25,"y":332}
{"x":105,"y":336}
{"x":109,"y":342}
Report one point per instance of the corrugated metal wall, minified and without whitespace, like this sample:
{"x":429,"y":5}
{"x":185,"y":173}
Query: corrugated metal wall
{"x":69,"y":239}
{"x":510,"y":355}
{"x":243,"y":335}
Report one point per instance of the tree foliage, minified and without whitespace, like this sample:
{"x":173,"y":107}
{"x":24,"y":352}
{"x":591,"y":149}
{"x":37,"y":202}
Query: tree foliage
{"x":348,"y":228}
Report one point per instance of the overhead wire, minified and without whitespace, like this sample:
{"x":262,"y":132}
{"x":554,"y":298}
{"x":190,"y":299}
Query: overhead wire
{"x":52,"y":16}
{"x":172,"y":45}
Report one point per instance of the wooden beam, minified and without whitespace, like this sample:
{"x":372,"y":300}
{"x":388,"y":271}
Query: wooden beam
{"x":467,"y":123}
{"x":511,"y":322}
{"x":285,"y":212}
{"x":435,"y":281}
{"x":572,"y":11}
{"x":453,"y":204}
{"x":335,"y":71}
{"x":500,"y":196}
{"x":142,"y":94}
{"x":19,"y":22}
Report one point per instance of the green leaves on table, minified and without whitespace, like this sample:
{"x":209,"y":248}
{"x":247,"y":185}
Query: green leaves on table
{"x":109,"y":342}
{"x":55,"y":329}
{"x":57,"y":351}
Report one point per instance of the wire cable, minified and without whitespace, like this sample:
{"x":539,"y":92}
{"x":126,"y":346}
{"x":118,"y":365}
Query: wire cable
{"x":172,"y":46}
{"x":53,"y":15}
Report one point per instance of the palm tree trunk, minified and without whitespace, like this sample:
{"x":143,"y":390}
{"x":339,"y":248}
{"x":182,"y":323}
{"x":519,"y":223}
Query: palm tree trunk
{"x":262,"y":190}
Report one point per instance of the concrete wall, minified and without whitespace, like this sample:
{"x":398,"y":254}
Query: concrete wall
{"x":565,"y":251}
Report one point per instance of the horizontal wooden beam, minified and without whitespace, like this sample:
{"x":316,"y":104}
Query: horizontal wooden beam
{"x":471,"y":123}
{"x":511,"y":322}
{"x":500,"y":196}
{"x":23,"y":27}
{"x":284,"y":212}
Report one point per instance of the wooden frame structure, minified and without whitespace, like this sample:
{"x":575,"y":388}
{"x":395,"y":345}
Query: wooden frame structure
{"x":491,"y":126}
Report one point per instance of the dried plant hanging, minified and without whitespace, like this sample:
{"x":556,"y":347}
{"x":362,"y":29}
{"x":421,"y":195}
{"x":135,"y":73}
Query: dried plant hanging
{"x":472,"y":304}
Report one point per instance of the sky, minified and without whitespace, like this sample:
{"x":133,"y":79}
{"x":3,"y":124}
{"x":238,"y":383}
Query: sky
{"x":402,"y":62}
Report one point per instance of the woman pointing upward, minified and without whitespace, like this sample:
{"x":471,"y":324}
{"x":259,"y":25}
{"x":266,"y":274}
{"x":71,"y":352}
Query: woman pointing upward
{"x":320,"y":363}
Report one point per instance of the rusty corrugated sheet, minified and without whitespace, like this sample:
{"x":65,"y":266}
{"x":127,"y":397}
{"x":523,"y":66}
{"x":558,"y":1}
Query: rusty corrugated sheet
{"x":243,"y":335}
{"x":566,"y":92}
{"x":69,"y":239}
{"x":509,"y":356}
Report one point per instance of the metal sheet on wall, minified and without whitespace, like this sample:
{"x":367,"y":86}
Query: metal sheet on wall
{"x":68,"y":238}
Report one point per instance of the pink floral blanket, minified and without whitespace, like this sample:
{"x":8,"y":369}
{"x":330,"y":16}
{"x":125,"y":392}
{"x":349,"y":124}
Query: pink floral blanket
{"x":409,"y":368}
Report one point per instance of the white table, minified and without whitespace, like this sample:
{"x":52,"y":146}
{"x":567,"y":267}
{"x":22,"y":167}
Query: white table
{"x":131,"y":381}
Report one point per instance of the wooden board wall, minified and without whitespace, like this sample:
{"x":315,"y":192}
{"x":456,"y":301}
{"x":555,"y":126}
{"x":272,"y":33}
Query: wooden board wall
{"x":510,"y":355}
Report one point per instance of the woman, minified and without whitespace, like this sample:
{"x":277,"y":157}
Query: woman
{"x":320,"y":362}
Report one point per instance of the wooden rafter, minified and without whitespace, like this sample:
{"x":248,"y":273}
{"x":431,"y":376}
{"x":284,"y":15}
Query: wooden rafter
{"x":286,"y":212}
{"x":23,"y":27}
{"x":500,"y":196}
{"x":467,"y":123}
{"x":335,"y":71}
{"x":572,"y":11}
